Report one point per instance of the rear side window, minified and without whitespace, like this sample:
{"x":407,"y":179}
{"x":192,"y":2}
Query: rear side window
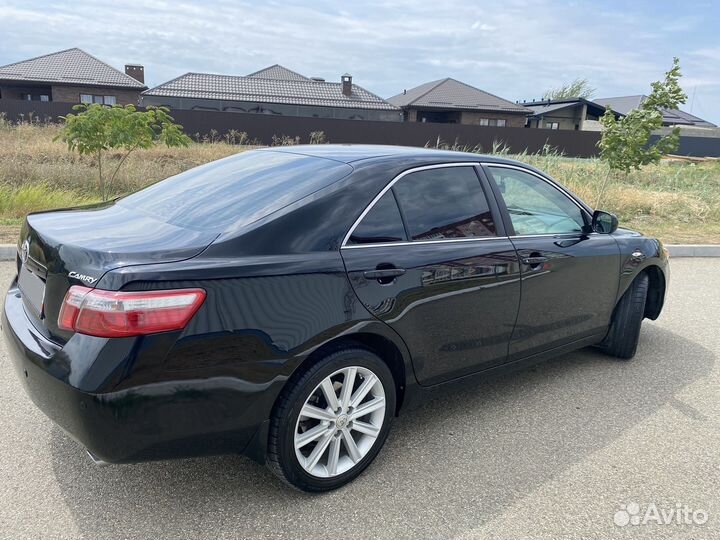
{"x":444,"y":203}
{"x":236,"y":191}
{"x":381,"y":224}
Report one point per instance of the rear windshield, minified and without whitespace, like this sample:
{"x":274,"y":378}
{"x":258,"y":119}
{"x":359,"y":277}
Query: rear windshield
{"x":235,"y":191}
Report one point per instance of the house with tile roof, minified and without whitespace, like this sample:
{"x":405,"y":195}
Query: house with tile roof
{"x":573,"y":113}
{"x":71,"y":76}
{"x":671,"y":117}
{"x":450,"y":101}
{"x":274,"y":90}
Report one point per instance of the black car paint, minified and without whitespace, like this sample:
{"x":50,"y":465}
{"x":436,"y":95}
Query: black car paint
{"x":279,"y":291}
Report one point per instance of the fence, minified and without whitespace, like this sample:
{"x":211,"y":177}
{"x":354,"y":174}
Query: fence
{"x":263,"y":127}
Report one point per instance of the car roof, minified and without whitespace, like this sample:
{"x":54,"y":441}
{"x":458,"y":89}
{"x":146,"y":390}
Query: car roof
{"x":350,"y":153}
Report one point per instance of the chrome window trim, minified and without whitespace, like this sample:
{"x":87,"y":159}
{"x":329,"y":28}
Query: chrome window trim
{"x":420,"y":242}
{"x":392,"y":182}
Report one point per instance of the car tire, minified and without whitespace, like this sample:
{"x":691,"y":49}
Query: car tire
{"x":622,"y":338}
{"x":351,"y":439}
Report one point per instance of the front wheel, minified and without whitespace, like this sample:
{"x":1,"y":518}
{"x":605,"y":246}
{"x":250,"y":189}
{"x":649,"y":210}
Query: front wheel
{"x":330,"y":423}
{"x":624,"y":334}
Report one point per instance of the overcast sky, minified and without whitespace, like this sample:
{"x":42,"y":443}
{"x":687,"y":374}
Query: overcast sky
{"x":513,"y":48}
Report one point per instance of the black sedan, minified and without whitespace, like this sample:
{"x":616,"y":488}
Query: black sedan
{"x":287,"y":303}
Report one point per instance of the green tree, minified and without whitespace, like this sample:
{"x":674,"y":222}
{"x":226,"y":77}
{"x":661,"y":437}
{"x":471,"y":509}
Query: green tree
{"x":625,"y":142}
{"x":579,"y":88}
{"x":96,"y":129}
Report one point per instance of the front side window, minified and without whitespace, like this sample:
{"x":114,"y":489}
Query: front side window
{"x":382,"y":223}
{"x":444,"y":203}
{"x":86,"y":98}
{"x":109,"y":100}
{"x":536,"y":207}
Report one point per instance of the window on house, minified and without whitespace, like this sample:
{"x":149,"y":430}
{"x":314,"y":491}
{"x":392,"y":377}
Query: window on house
{"x":499,"y":122}
{"x":44,"y":97}
{"x":552,"y":125}
{"x":102,"y":100}
{"x":26,"y":97}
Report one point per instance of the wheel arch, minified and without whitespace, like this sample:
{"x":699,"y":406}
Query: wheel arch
{"x":388,"y":351}
{"x":657,"y":284}
{"x":656,"y":292}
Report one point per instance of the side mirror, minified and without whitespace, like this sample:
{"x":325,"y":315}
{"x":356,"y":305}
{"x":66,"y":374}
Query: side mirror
{"x":604,"y":222}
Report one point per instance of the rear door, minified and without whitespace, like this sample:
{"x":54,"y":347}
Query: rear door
{"x":430,"y":258}
{"x":569,"y":275}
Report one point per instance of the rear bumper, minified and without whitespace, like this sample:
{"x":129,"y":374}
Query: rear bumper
{"x":156,"y":420}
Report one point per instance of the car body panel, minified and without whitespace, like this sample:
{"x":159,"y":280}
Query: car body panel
{"x":581,"y":269}
{"x":440,"y":305}
{"x":281,"y":293}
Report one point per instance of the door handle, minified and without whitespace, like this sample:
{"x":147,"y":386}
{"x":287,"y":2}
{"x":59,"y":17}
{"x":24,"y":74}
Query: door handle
{"x":534,"y":261}
{"x":384,"y":273}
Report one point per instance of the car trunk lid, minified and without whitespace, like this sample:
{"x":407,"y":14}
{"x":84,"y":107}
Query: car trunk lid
{"x":77,"y":247}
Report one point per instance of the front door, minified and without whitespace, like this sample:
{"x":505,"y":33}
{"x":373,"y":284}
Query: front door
{"x":431,"y":260}
{"x":570,"y":276}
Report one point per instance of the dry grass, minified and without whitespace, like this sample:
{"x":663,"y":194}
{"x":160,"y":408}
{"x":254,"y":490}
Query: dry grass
{"x":678,"y":202}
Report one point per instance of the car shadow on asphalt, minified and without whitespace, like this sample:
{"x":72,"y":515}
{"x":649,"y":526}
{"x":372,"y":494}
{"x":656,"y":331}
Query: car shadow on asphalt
{"x":448,"y":465}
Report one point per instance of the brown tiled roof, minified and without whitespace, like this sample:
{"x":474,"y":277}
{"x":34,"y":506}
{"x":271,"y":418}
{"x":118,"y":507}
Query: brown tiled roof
{"x":72,"y":66}
{"x":451,"y":94}
{"x":263,"y":90}
{"x":278,"y":72}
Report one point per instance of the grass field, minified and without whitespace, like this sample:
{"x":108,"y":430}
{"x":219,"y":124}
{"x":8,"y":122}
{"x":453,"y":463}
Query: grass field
{"x":678,"y":202}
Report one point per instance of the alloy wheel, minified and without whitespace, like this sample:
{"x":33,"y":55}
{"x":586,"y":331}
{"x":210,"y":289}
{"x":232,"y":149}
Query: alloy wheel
{"x":340,"y":422}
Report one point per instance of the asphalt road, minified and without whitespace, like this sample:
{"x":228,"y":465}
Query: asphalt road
{"x":551,"y":452}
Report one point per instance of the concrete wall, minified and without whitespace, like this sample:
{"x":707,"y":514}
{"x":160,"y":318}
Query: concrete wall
{"x":472,"y":118}
{"x":511,"y":120}
{"x":71,"y":94}
{"x":567,"y":118}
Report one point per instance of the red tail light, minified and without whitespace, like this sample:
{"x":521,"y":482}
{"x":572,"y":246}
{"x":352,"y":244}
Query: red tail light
{"x":127,"y":313}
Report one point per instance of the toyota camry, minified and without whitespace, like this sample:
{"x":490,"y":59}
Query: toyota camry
{"x":287,"y":303}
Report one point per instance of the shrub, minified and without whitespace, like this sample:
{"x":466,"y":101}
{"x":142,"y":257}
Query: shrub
{"x":98,"y":128}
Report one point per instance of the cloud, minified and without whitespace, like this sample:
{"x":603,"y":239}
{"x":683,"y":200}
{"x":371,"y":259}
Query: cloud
{"x":477,"y":25}
{"x":515,"y":49}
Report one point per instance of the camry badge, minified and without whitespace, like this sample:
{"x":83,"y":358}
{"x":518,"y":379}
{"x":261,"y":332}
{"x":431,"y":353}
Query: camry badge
{"x":25,"y":251}
{"x":82,"y":277}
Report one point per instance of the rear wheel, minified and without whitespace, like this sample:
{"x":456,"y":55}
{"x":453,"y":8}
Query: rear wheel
{"x":330,"y":423}
{"x":622,"y":339}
